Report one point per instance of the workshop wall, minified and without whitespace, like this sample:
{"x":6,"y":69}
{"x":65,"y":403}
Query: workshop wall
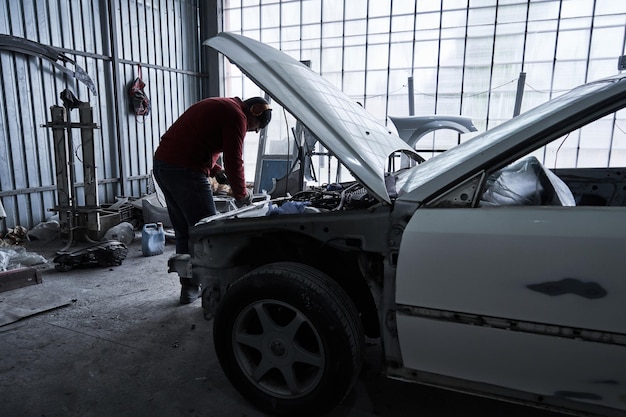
{"x":110,"y":40}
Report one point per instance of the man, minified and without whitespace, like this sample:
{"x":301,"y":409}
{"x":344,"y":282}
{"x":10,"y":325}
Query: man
{"x":187,"y":155}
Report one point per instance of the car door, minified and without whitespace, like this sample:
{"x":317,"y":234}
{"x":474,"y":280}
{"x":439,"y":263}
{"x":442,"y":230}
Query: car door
{"x":528,"y":298}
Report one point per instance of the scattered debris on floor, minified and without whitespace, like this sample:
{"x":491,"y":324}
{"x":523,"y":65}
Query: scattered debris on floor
{"x":47,"y":231}
{"x":107,"y":253}
{"x":123,"y":232}
{"x":110,"y":251}
{"x":14,"y":236}
{"x":14,"y":257}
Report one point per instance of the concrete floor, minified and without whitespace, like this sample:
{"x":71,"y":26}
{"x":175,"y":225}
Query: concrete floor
{"x":123,"y":346}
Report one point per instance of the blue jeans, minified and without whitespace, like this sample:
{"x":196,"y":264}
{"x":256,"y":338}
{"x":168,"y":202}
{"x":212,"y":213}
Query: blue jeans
{"x":189,"y":198}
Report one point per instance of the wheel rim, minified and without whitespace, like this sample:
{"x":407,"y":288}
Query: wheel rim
{"x":278,"y":349}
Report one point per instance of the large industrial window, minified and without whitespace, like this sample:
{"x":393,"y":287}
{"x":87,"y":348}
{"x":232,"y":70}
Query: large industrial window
{"x":465,"y":57}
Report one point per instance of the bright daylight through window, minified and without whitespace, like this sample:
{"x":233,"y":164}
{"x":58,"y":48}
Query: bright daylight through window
{"x":462,"y":57}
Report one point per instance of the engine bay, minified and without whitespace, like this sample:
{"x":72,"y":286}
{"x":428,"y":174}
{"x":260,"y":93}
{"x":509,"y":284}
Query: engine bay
{"x":333,"y":197}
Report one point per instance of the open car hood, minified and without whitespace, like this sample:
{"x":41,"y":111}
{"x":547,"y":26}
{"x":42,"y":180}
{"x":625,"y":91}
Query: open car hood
{"x":350,"y":133}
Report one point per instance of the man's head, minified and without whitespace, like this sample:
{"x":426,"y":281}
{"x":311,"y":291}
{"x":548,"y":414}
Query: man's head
{"x":260,"y":111}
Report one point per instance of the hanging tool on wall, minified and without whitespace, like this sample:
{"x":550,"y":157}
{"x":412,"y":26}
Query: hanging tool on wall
{"x":139,"y":101}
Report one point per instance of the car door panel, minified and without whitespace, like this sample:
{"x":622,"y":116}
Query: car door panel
{"x":558,"y":265}
{"x":521,"y":297}
{"x":532,"y":363}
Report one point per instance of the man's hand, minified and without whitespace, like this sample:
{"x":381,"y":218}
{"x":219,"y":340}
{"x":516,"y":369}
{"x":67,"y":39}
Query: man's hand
{"x":244,"y":201}
{"x":221,"y":178}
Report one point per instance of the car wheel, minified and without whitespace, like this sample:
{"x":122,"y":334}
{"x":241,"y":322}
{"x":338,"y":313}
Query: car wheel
{"x":289,"y":339}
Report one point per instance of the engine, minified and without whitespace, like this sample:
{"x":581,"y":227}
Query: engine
{"x":347,"y":196}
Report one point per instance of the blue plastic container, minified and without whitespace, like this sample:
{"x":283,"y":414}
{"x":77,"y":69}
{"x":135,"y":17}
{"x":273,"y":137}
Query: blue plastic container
{"x":152,"y":239}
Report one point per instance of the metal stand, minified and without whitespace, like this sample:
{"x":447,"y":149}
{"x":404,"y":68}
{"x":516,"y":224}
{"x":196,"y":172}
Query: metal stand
{"x":77,"y":221}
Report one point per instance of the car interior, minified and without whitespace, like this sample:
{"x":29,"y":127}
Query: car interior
{"x":526,"y":182}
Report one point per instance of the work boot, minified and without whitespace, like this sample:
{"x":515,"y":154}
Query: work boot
{"x":189,"y":292}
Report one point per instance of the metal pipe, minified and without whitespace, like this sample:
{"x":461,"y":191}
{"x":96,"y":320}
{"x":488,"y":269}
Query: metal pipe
{"x":521,"y":81}
{"x":411,"y":97}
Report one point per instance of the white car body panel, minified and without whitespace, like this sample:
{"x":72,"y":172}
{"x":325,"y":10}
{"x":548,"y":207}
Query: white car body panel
{"x":341,"y":124}
{"x":538,"y":364}
{"x":526,"y":246}
{"x":413,"y":128}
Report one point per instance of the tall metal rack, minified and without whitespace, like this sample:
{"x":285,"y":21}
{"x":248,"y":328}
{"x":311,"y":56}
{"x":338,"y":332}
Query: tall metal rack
{"x":78,"y":221}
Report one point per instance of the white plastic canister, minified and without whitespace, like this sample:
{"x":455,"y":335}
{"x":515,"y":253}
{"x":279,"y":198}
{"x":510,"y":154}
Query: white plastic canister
{"x":152,"y":239}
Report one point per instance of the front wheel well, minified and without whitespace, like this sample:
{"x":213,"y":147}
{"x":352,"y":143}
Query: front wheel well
{"x":339,"y":263}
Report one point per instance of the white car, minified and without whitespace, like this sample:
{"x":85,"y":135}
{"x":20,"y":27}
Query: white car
{"x":480,"y":270}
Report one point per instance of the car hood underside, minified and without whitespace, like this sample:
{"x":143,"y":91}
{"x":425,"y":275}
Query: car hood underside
{"x":351,"y":134}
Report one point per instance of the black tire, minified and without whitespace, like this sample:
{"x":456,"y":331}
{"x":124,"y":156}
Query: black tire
{"x":289,"y":339}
